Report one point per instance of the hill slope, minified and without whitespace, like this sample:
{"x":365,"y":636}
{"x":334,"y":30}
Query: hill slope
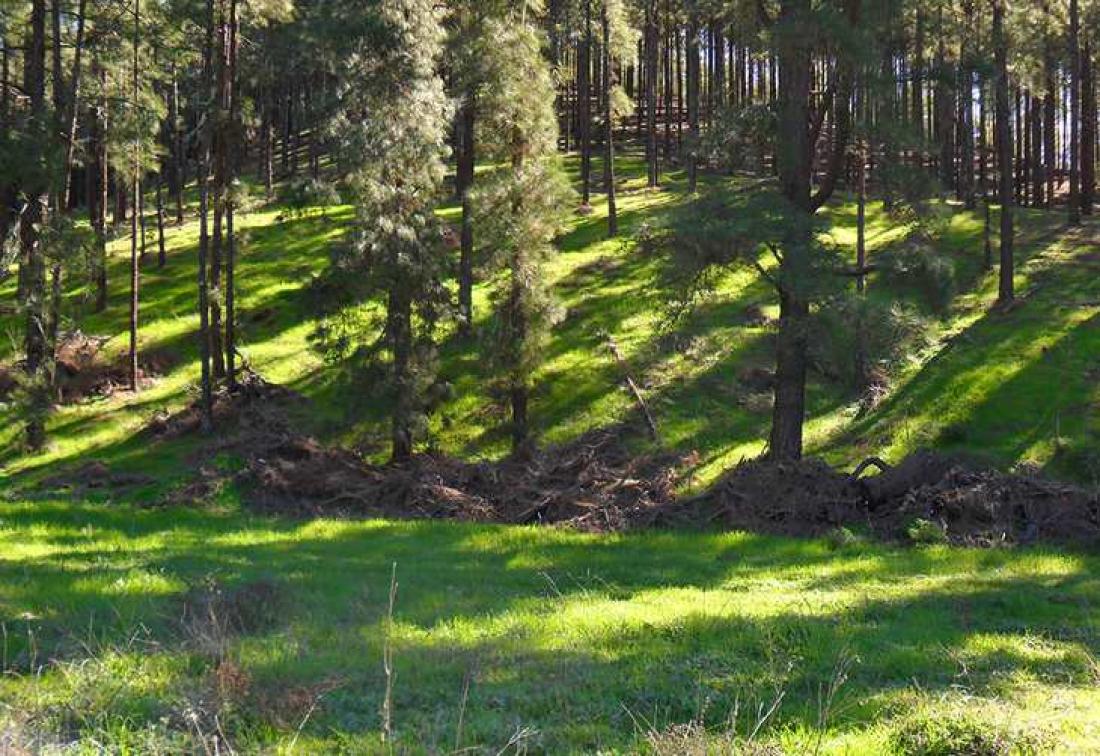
{"x":1016,"y":387}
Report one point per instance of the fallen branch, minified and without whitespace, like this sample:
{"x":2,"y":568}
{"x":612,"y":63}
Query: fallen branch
{"x":630,"y":384}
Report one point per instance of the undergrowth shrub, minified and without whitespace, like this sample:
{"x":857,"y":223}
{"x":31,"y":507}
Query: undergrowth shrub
{"x":926,"y":532}
{"x":965,"y":734}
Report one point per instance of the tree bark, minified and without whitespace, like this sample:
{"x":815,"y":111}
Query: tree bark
{"x":693,"y":101}
{"x":464,"y":178}
{"x":400,"y":324}
{"x":584,"y":92}
{"x":99,"y":196}
{"x":73,"y":105}
{"x":31,"y":221}
{"x":609,"y":130}
{"x":1075,"y":114}
{"x":795,"y":166}
{"x":1004,"y":146}
{"x":1088,"y":130}
{"x":205,"y":382}
{"x":651,"y":91}
{"x":135,"y":275}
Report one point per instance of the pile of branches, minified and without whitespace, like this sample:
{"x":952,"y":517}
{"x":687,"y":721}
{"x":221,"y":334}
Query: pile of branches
{"x":594,"y":483}
{"x":964,"y":505}
{"x":600,"y":483}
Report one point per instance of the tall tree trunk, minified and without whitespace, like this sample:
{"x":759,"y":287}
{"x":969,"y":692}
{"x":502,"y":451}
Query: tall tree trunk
{"x":100,"y":188}
{"x":1088,"y":130}
{"x":651,"y":91}
{"x":135,"y":275}
{"x":944,"y":112}
{"x":966,"y":106}
{"x":1050,"y":168}
{"x":1004,"y":147}
{"x":693,"y":101}
{"x":464,"y":178}
{"x":795,"y":165}
{"x":31,"y":221}
{"x":584,"y":72}
{"x":1075,"y":114}
{"x":609,"y":129}
{"x":178,"y":149}
{"x":862,"y":369}
{"x":205,"y":382}
{"x":232,"y":144}
{"x":73,"y":105}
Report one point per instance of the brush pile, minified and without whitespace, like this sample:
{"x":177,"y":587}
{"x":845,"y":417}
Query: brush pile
{"x":600,"y":483}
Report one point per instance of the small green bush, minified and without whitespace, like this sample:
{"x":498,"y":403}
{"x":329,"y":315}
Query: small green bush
{"x":964,"y":734}
{"x":841,"y":537}
{"x":926,"y":531}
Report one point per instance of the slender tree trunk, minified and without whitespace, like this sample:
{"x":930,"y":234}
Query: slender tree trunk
{"x":178,"y":149}
{"x":861,"y":367}
{"x":73,"y":104}
{"x":162,"y":254}
{"x":206,"y":402}
{"x":400,"y":324}
{"x":584,"y":92}
{"x":100,"y":189}
{"x":693,"y":102}
{"x":966,"y":122}
{"x":1075,"y":114}
{"x":1004,"y":147}
{"x":1049,"y":129}
{"x":609,"y":130}
{"x":1088,"y":130}
{"x":232,"y":143}
{"x":464,"y":175}
{"x":651,"y":90}
{"x":135,"y":276}
{"x":31,"y":221}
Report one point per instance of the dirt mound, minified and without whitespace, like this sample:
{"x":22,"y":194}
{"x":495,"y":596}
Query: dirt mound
{"x":968,"y":506}
{"x":593,"y":483}
{"x":94,"y":476}
{"x":807,"y":497}
{"x":82,"y":370}
{"x":599,"y":483}
{"x":984,"y":507}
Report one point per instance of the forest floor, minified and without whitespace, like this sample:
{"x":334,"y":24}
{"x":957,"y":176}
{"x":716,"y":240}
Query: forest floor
{"x":153,"y":628}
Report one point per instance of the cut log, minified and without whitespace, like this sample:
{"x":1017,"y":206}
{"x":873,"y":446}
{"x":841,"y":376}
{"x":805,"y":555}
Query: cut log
{"x":923,"y":468}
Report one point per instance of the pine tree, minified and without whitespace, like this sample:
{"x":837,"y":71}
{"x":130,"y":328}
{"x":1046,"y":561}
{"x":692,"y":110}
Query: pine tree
{"x":520,"y":210}
{"x":392,"y":131}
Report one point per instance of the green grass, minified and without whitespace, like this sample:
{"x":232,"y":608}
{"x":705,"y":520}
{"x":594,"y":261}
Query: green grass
{"x":981,"y":383}
{"x":567,"y":641}
{"x":582,"y":642}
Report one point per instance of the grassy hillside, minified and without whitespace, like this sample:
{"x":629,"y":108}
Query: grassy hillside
{"x":1016,"y":387}
{"x":134,"y":629}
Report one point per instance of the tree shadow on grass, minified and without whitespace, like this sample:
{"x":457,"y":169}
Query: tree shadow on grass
{"x":565,"y":633}
{"x":999,"y":384}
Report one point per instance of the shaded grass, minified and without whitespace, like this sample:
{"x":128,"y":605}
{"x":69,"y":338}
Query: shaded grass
{"x":584,"y":642}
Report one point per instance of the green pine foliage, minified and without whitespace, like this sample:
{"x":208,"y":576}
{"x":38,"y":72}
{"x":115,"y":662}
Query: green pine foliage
{"x":392,"y":130}
{"x":520,"y":208}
